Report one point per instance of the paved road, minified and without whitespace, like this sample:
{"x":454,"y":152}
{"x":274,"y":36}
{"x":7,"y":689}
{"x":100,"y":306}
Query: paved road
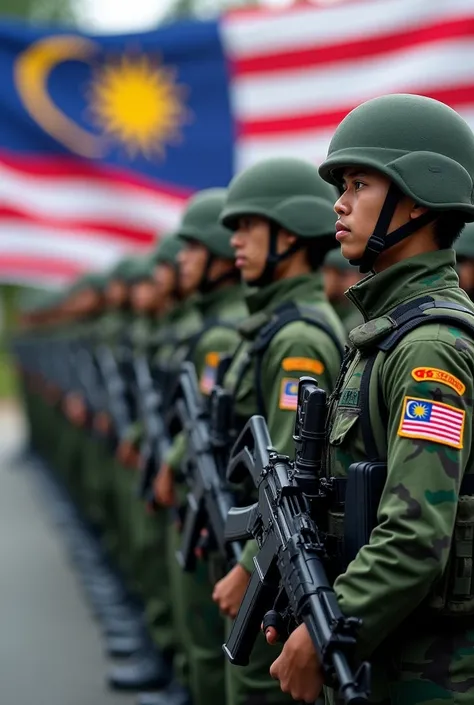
{"x":50,"y":649}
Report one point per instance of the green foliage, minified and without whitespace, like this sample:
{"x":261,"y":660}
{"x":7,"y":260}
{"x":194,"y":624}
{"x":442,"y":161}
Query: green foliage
{"x":48,"y":11}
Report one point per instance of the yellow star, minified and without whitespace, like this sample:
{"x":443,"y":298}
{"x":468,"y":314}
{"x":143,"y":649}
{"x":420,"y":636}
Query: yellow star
{"x":138,"y":103}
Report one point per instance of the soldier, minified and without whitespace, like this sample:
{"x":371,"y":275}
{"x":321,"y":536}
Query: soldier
{"x":465,"y":258}
{"x":206,"y":263}
{"x":405,"y":167}
{"x":281,"y":214}
{"x":153,"y":293}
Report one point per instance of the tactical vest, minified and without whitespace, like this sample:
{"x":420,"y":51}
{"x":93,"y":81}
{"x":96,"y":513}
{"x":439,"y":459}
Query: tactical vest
{"x":282,"y":316}
{"x":453,"y":595}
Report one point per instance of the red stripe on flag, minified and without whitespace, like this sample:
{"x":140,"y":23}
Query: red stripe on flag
{"x":71,"y":167}
{"x":454,"y":96}
{"x":249,"y":13}
{"x":436,"y":428}
{"x":358,"y":49}
{"x":89,"y":229}
{"x":36,"y":265}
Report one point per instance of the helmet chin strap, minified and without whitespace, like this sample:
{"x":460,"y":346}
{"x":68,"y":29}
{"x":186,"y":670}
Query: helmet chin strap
{"x":206,"y":285}
{"x":380,"y":241}
{"x":273,"y":258}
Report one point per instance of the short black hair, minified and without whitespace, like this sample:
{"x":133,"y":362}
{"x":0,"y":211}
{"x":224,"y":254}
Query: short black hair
{"x":317,"y":249}
{"x":447,"y":228}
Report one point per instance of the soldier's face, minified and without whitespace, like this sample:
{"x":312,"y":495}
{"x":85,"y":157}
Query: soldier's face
{"x":165,"y":280}
{"x":144,"y":296}
{"x":116,"y":293}
{"x":192,"y":265}
{"x":250,"y":242}
{"x":358,"y":209}
{"x":333,"y":283}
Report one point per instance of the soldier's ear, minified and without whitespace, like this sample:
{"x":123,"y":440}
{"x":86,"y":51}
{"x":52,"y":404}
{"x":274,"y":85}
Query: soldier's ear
{"x":417,"y":210}
{"x":286,"y":238}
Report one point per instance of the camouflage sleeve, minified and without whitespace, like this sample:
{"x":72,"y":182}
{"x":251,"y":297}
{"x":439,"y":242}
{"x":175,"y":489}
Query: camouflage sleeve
{"x":428,"y":390}
{"x":135,"y":433}
{"x":299,"y":351}
{"x":212,"y":345}
{"x":176,"y":453}
{"x":216,"y":342}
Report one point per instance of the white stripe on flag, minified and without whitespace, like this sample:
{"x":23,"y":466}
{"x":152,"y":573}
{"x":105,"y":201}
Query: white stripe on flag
{"x":272,"y":32}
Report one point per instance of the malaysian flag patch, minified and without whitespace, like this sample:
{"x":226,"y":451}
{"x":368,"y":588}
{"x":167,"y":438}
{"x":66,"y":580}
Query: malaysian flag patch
{"x":289,"y":394}
{"x":209,"y":373}
{"x":432,"y":421}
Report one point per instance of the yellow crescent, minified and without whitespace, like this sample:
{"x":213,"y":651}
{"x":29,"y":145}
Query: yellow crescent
{"x":32,"y":70}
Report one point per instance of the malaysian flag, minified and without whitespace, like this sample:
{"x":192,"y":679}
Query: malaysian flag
{"x":289,"y":394}
{"x":103,"y":139}
{"x":432,"y":421}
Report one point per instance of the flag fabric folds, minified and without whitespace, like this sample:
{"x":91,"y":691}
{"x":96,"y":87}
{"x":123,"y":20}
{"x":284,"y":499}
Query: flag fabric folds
{"x":103,"y":139}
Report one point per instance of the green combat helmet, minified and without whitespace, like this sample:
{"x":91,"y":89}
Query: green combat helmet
{"x":200,"y":223}
{"x":140,"y":269}
{"x":167,"y":250}
{"x":166,"y":253}
{"x":464,"y":246}
{"x":424,"y":147}
{"x":290,"y":194}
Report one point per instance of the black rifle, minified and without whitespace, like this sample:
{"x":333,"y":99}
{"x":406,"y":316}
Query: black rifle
{"x":89,"y":381}
{"x":209,"y":499}
{"x":115,"y":390}
{"x":151,"y":404}
{"x":289,"y":568}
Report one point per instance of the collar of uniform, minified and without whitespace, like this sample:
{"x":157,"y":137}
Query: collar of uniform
{"x":212,"y":303}
{"x":378,"y":294}
{"x":305,"y":288}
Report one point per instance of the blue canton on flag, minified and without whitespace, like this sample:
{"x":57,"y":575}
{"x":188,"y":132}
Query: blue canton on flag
{"x":432,"y":421}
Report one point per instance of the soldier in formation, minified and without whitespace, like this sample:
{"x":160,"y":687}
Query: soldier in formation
{"x":221,"y":321}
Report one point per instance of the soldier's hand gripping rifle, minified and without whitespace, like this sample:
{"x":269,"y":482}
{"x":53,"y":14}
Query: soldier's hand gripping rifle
{"x":289,"y":569}
{"x":208,"y":500}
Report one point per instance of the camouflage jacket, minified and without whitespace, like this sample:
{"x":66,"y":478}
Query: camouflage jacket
{"x":225,"y":306}
{"x":427,"y":385}
{"x":298,"y":349}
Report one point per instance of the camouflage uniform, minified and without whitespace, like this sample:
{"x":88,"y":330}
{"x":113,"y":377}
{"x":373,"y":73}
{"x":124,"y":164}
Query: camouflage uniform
{"x":411,"y":584}
{"x":222,"y":308}
{"x":289,"y":194}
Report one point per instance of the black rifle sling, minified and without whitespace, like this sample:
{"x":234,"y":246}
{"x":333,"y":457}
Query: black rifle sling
{"x":282,"y":316}
{"x":407,"y":317}
{"x":210,"y":323}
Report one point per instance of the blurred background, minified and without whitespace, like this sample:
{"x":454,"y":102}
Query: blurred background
{"x":113,"y":113}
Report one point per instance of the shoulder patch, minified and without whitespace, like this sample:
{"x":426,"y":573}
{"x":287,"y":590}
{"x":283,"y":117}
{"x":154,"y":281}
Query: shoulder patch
{"x":209,"y":373}
{"x":434,"y":374}
{"x":432,"y":421}
{"x":289,"y":394}
{"x":303,"y":364}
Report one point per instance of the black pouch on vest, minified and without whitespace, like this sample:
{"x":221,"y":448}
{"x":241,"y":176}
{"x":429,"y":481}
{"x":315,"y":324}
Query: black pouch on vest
{"x":365,"y":483}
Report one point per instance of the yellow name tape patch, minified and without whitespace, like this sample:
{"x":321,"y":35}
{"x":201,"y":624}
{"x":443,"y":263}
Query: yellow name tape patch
{"x":433,"y":374}
{"x":303,"y":364}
